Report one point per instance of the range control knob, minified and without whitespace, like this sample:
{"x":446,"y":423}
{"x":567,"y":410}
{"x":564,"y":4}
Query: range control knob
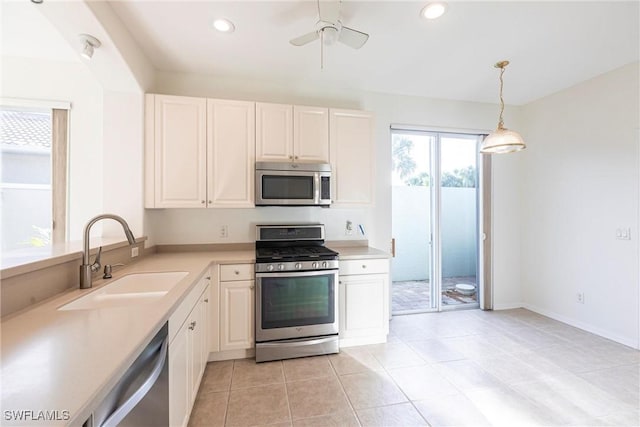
{"x":298,"y":266}
{"x":270,"y":267}
{"x":314,"y":264}
{"x":280,"y":266}
{"x":324,"y":264}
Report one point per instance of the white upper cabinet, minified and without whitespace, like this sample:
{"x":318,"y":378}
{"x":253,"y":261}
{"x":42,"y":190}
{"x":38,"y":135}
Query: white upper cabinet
{"x":310,"y":134}
{"x":199,"y":153}
{"x":175,"y":152}
{"x":231,"y":153}
{"x":274,"y":132}
{"x":352,"y":157}
{"x":292,"y":133}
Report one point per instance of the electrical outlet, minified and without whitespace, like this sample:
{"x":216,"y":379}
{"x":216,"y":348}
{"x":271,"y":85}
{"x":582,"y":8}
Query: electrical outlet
{"x":348,"y":230}
{"x":134,"y":252}
{"x":580,"y":298}
{"x":224,"y":231}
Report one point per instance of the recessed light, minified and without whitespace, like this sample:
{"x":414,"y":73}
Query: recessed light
{"x":434,"y":10}
{"x":223,"y":25}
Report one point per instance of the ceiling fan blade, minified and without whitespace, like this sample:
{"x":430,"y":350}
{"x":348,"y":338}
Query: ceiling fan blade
{"x":329,"y":10}
{"x":352,"y":38}
{"x":307,"y":38}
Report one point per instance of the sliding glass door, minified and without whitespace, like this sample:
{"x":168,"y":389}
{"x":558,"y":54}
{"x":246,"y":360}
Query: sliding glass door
{"x":435,"y":219}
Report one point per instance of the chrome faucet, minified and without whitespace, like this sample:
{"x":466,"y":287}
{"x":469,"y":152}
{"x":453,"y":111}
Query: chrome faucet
{"x":87,"y":268}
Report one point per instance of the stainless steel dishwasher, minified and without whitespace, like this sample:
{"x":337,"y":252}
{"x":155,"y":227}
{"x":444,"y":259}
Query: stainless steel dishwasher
{"x":141,"y":397}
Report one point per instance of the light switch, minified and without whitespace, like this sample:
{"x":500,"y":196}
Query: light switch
{"x":623,"y":233}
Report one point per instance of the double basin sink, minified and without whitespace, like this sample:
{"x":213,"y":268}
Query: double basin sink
{"x":129,"y":290}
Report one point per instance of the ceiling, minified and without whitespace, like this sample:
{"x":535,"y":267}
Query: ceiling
{"x":551,"y":45}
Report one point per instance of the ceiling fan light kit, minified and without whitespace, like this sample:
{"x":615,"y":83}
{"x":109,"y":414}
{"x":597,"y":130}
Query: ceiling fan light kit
{"x":330,"y":30}
{"x":502,"y":140}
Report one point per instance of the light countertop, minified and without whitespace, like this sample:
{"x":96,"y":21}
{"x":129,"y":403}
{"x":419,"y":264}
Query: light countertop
{"x":69,"y":360}
{"x":359,"y":252}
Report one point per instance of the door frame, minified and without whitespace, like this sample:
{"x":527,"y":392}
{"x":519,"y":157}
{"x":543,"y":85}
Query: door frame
{"x":483,"y":215}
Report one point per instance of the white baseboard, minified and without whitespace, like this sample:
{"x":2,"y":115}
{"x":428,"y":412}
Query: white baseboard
{"x":633,"y":343}
{"x":371,"y":339}
{"x":231,"y":354}
{"x":508,"y":306}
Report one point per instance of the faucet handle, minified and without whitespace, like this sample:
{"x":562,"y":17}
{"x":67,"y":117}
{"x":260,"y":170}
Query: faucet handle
{"x":95,"y":267}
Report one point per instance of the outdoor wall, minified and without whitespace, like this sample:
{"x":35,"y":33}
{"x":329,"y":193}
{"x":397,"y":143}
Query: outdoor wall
{"x":411,"y":229}
{"x":581,"y":183}
{"x":25,"y":175}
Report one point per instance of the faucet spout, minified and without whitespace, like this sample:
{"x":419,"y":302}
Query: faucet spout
{"x":86,"y":267}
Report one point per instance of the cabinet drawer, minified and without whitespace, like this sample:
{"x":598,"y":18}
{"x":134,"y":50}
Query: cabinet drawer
{"x":364,"y":266}
{"x":233,"y":272}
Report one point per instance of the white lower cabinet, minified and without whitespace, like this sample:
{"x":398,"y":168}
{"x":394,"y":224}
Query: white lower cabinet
{"x":364,"y":301}
{"x":188,"y":351}
{"x":237,"y":302}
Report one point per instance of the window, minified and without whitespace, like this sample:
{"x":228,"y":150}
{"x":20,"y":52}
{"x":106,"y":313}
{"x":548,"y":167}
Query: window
{"x":33,"y":166}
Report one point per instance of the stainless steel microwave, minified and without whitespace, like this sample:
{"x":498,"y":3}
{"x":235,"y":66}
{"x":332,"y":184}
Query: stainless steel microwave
{"x":293,"y":184}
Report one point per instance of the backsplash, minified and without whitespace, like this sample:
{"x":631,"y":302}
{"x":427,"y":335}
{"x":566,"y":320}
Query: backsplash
{"x":190,"y":226}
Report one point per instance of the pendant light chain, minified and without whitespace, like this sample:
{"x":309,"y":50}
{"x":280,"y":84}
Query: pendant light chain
{"x":502,"y":65}
{"x":501,"y":121}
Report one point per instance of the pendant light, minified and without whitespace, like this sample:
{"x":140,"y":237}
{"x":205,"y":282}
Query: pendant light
{"x":502,"y":140}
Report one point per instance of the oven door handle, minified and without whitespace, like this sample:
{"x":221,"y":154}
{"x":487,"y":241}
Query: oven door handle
{"x":298,"y":342}
{"x":298,"y":273}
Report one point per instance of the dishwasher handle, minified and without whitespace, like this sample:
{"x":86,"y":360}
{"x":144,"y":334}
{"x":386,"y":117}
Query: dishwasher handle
{"x":123,"y":410}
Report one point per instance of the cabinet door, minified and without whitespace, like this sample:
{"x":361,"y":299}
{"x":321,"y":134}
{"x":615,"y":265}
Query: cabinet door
{"x":237,"y":314}
{"x":197,"y":333}
{"x":352,"y":157}
{"x":274,"y":132}
{"x":179,"y":154}
{"x":230,"y":153}
{"x":311,"y":134}
{"x":214,"y":311}
{"x":363,"y":305}
{"x":179,"y":379}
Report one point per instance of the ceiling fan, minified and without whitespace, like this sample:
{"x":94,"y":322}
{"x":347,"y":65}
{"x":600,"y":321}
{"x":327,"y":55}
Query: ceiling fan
{"x":329,"y":29}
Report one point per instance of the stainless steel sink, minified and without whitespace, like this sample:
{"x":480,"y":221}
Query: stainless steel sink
{"x":132,"y":289}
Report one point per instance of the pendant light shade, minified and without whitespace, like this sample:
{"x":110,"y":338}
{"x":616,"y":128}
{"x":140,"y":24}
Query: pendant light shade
{"x":502,"y":140}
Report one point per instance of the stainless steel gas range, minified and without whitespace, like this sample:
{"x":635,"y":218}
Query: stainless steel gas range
{"x":296,"y":293}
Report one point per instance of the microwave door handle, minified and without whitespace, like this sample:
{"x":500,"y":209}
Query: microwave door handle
{"x":316,"y":192}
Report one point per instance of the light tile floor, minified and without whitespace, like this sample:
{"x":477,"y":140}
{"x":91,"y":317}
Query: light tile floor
{"x":503,"y":368}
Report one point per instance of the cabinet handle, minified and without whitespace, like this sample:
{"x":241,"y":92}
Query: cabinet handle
{"x":202,"y":201}
{"x":192,"y":325}
{"x":206,"y":300}
{"x":295,"y":157}
{"x":364,"y":266}
{"x":237,"y":272}
{"x":210,"y":202}
{"x":208,"y":277}
{"x":290,"y":157}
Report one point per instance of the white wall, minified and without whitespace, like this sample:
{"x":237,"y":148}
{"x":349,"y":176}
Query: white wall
{"x":67,"y":81}
{"x":182,"y":226}
{"x":122,"y":161}
{"x":579,"y":184}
